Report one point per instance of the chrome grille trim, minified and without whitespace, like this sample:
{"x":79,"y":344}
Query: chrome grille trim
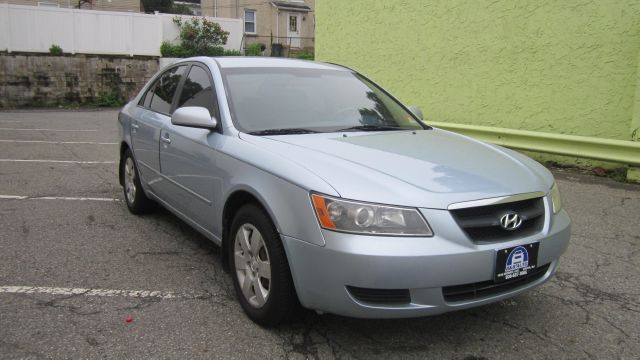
{"x":495,"y":200}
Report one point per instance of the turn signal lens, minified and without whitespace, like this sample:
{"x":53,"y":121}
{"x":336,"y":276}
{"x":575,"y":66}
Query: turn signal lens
{"x":322,"y":212}
{"x":366,"y":218}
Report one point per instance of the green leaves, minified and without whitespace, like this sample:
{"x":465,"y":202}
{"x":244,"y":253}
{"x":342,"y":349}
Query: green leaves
{"x":199,"y":37}
{"x":55,"y":50}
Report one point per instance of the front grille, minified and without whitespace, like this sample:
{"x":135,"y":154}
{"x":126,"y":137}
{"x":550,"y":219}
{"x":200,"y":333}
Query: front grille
{"x":380,"y":296}
{"x":482,"y":223}
{"x":489,"y":288}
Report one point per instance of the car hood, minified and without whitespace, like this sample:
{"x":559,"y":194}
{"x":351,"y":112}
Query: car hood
{"x":429,"y":168}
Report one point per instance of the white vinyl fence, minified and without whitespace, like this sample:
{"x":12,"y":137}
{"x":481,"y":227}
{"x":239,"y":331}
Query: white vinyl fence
{"x":35,"y":29}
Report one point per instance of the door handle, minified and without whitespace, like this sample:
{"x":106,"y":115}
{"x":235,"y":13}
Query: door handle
{"x":134,"y":126}
{"x":165,"y":139}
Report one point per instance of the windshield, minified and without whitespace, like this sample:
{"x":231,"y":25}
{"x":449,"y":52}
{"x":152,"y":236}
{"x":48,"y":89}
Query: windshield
{"x":266,"y":101}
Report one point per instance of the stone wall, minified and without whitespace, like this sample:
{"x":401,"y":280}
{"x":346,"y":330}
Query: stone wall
{"x":41,"y":80}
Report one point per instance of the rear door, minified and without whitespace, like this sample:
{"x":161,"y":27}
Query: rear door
{"x":188,"y":155}
{"x":154,"y":111}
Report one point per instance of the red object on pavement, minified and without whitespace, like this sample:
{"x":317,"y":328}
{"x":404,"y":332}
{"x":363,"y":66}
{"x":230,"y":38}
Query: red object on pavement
{"x":129,"y":318}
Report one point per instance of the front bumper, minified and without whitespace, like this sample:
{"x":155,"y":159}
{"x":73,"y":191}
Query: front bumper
{"x":422,"y":265}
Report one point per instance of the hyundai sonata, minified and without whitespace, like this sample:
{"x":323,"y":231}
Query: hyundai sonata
{"x":324,"y":190}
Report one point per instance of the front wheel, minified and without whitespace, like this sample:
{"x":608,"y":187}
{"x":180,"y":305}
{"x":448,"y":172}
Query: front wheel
{"x":261,"y":275}
{"x":137,"y":201}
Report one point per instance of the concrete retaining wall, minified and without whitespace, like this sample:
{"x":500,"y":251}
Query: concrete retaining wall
{"x":33,"y":80}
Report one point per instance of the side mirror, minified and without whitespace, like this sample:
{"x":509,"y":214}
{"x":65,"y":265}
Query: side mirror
{"x":416,"y":111}
{"x":194,"y":116}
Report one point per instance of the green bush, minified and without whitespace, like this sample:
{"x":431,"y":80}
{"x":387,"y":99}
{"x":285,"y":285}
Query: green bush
{"x":254,"y":49}
{"x":232,"y":53}
{"x":303,"y":55}
{"x":200,"y":37}
{"x":168,"y":49}
{"x":55,"y":50}
{"x":213,"y":51}
{"x":107,"y":99}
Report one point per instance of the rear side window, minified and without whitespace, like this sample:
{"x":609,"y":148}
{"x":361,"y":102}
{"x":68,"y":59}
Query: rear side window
{"x":160,"y":95}
{"x":198,"y":91}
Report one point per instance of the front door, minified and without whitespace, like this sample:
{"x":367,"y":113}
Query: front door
{"x":293,"y":30}
{"x":188,"y":156}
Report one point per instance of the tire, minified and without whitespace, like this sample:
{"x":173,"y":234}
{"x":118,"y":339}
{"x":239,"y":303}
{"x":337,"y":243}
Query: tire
{"x":137,"y":202}
{"x":259,"y":268}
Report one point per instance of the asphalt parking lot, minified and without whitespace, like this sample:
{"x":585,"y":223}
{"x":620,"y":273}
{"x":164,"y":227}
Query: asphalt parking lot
{"x":80,"y":277}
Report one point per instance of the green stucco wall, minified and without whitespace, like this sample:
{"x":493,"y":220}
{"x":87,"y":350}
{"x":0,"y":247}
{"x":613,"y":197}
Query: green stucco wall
{"x":563,"y":66}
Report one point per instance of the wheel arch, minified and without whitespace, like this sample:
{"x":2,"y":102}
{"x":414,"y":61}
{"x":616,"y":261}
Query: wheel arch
{"x":236,"y":199}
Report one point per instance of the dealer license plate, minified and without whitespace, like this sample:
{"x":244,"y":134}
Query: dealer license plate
{"x":516,"y":262}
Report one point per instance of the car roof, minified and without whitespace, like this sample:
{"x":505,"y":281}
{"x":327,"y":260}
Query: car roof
{"x":257,"y":62}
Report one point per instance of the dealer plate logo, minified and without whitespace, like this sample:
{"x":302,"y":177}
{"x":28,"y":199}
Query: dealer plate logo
{"x":517,"y":259}
{"x":515,"y":262}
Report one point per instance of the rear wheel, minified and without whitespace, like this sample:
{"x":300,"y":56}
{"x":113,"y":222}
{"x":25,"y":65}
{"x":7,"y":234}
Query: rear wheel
{"x":137,"y":201}
{"x":261,"y":275}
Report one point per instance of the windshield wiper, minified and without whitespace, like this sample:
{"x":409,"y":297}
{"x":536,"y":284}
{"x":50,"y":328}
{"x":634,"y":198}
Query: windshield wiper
{"x":282,"y":131}
{"x":372,"y":128}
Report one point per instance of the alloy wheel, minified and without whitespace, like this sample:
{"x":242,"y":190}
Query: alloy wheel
{"x":253,"y":267}
{"x":129,"y":180}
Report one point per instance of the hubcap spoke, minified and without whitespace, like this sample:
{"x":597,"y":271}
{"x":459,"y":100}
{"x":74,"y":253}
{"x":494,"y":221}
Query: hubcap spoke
{"x":260,"y":297}
{"x":241,"y":260}
{"x":264,"y":269}
{"x":246,"y":288}
{"x":256,"y":242}
{"x":244,"y":241}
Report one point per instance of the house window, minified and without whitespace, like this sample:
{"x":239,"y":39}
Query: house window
{"x":250,"y":21}
{"x":293,"y":23}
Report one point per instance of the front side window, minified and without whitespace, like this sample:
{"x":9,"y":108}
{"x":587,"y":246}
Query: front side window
{"x":250,"y":21}
{"x":198,"y":91}
{"x":313,"y":99}
{"x":160,"y":95}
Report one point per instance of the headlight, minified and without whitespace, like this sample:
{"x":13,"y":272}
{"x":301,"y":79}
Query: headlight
{"x":555,"y":198}
{"x":366,"y":218}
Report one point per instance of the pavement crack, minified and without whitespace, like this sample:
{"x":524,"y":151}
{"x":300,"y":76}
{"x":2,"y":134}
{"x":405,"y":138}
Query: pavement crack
{"x":56,"y":303}
{"x":590,"y":293}
{"x":142,"y":303}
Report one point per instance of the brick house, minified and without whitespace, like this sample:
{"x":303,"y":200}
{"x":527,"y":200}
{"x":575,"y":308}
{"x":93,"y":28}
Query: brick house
{"x":290,"y":23}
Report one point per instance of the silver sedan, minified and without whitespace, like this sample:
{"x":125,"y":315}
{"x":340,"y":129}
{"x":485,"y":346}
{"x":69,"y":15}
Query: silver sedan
{"x":324,"y":191}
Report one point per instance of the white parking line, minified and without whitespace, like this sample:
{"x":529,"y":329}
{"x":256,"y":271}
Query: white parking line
{"x":58,"y":142}
{"x":22,"y":197}
{"x":14,"y":129}
{"x":58,"y":161}
{"x":98,"y":292}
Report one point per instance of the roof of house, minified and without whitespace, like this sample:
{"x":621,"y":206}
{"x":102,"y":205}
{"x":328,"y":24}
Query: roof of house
{"x":293,"y":6}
